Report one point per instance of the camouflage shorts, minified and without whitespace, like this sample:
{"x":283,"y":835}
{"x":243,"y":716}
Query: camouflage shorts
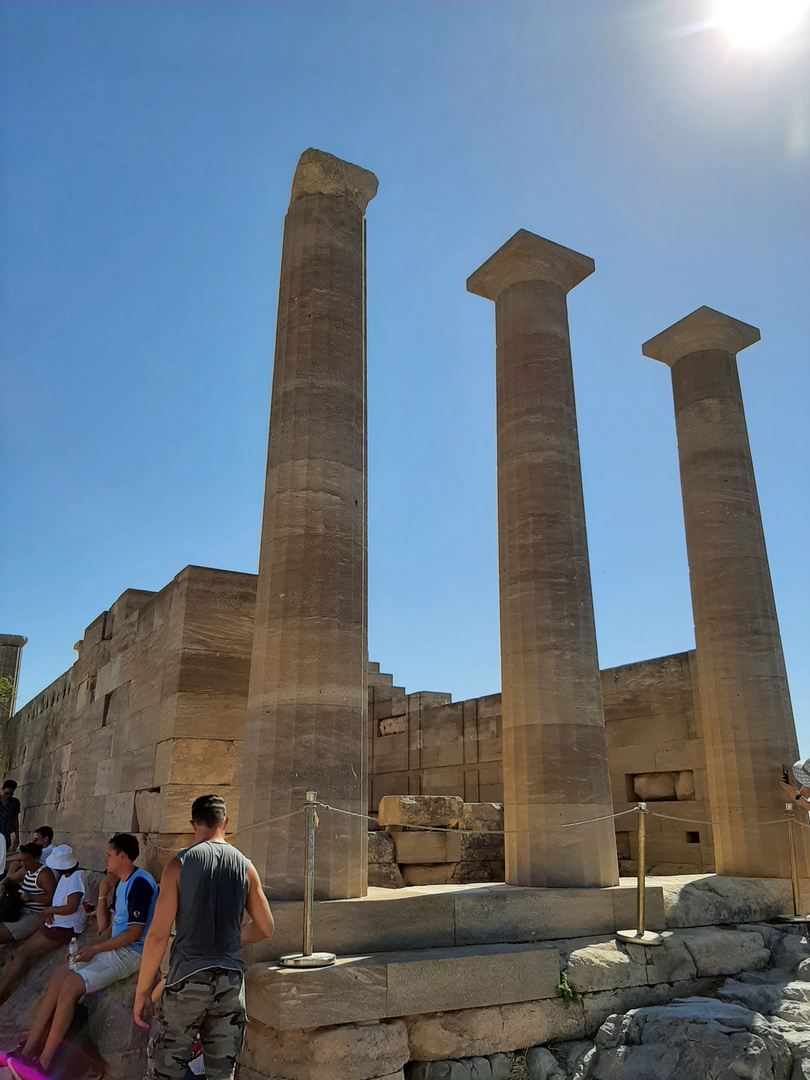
{"x":210,"y":1002}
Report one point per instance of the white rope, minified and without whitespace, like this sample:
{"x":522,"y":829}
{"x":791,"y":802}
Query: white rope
{"x":607,"y":817}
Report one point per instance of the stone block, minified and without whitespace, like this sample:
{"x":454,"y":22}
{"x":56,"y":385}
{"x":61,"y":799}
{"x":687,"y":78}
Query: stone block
{"x":146,"y":810}
{"x":381,"y":847}
{"x":444,"y":980}
{"x":625,"y":908}
{"x":725,"y":952}
{"x":353,"y":1052}
{"x":119,"y":813}
{"x":416,"y":810}
{"x":376,"y":923}
{"x":289,"y":998}
{"x":685,"y":786}
{"x":655,"y":787}
{"x":606,"y":966}
{"x":599,"y":1006}
{"x":482,"y":817}
{"x":492,"y":1030}
{"x":482,"y":846}
{"x":434,"y":874}
{"x":428,"y":847}
{"x":713,"y":900}
{"x":672,"y":963}
{"x":195,"y":761}
{"x":385,"y":876}
{"x":175,"y":805}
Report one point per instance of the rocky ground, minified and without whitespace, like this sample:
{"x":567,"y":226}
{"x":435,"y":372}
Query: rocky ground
{"x":755,"y":1026}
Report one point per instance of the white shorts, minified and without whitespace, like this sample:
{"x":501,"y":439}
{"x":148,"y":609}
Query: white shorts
{"x":27,"y":924}
{"x":108,"y":967}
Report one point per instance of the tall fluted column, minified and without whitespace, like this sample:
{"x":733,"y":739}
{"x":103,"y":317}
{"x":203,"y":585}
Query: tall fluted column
{"x":305,"y":726}
{"x":744,"y":698}
{"x":555,"y":767}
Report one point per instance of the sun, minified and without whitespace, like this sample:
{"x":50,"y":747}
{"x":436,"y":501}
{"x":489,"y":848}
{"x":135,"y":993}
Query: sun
{"x":759,"y":24}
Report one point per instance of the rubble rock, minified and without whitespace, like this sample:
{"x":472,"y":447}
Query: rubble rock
{"x":415,"y":810}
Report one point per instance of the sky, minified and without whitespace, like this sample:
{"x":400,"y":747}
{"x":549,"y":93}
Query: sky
{"x":148,"y":151}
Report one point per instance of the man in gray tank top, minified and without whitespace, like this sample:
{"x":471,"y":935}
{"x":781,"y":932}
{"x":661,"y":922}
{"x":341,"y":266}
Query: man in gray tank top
{"x":204,"y":891}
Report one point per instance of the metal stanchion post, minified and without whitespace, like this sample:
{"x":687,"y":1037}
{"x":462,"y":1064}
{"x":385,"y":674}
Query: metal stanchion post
{"x":790,"y":818}
{"x":641,"y":936}
{"x":307,"y":958}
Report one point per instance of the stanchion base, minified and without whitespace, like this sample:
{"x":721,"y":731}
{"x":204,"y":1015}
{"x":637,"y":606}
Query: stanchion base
{"x":794,"y":918}
{"x":633,"y":936}
{"x":314,"y":960}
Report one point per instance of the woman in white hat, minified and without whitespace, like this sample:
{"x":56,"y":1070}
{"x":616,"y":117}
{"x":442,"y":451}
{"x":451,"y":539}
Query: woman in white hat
{"x":801,"y":774}
{"x":63,"y":918}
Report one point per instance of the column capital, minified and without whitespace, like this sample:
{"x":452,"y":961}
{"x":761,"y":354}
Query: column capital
{"x":703,"y":330}
{"x":528,"y":257}
{"x":16,"y":641}
{"x":318,"y":173}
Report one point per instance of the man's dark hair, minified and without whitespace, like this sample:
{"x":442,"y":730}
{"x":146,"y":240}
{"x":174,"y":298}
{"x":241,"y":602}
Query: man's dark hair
{"x":126,"y":844}
{"x":46,"y":832}
{"x":34,"y":850}
{"x":10,"y":784}
{"x":208,"y":810}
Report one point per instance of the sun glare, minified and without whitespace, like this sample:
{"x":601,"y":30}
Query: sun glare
{"x":759,"y":24}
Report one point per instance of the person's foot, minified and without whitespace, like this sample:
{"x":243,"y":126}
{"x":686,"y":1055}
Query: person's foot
{"x":26,"y":1068}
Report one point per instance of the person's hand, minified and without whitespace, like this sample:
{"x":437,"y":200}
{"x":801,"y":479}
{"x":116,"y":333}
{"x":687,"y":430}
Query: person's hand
{"x":85,"y":955}
{"x":49,"y":920}
{"x":788,"y":789}
{"x":108,"y":883}
{"x":143,"y":1009}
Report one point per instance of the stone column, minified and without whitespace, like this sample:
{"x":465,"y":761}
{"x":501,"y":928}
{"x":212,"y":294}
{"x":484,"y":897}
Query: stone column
{"x":11,"y":647}
{"x":555,"y":767}
{"x":744,"y":698}
{"x":307,"y":703}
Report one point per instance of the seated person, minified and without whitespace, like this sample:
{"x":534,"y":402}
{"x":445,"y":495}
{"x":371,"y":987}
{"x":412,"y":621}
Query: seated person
{"x":37,"y":889}
{"x":64,"y":919}
{"x":42,"y":836}
{"x":128,"y":895}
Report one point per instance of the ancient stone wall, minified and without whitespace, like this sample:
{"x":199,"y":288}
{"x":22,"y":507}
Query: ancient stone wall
{"x":426,"y":744}
{"x":152,"y":711}
{"x":149,"y":716}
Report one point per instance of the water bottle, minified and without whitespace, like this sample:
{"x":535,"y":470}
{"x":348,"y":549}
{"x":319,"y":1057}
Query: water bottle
{"x":73,"y":948}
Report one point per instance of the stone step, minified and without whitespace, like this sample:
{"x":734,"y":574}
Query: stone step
{"x":373,"y":987}
{"x":451,"y":916}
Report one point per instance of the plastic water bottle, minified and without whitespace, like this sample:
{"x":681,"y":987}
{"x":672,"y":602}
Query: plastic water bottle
{"x":73,"y":948}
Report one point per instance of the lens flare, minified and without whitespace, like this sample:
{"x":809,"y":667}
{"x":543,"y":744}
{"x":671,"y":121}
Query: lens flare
{"x":759,"y":24}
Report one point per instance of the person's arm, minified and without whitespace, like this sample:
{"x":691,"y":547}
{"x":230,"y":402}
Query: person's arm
{"x":156,"y":941}
{"x":261,"y":923}
{"x":68,"y":908}
{"x":120,"y":941}
{"x":798,"y":796}
{"x":106,"y":891}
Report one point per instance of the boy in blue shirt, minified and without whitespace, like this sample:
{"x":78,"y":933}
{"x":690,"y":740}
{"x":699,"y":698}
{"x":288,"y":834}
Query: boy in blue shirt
{"x":126,"y":902}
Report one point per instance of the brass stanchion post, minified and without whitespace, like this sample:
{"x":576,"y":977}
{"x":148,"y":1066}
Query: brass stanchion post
{"x":641,"y":936}
{"x":307,"y":958}
{"x":790,"y":818}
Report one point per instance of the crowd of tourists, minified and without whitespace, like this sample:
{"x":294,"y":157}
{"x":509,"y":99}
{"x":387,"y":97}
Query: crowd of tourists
{"x":196,"y":1012}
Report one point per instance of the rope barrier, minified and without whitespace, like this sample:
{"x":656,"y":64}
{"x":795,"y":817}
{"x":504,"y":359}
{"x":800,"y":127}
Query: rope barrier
{"x":607,"y":817}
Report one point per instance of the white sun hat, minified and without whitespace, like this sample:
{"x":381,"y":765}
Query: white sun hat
{"x":801,"y":772}
{"x":61,"y":858}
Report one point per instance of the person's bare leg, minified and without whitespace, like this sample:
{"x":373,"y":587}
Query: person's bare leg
{"x":45,"y":1010}
{"x":71,"y":990}
{"x":24,"y":957}
{"x":6,"y":937}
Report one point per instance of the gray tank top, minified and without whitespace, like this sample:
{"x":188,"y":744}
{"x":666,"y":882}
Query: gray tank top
{"x":211,"y":901}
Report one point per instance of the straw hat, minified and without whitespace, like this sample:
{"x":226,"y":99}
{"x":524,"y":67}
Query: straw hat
{"x":61,"y":858}
{"x":801,"y":772}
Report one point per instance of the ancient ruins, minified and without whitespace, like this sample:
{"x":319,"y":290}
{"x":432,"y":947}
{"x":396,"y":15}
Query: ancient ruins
{"x":465,"y":903}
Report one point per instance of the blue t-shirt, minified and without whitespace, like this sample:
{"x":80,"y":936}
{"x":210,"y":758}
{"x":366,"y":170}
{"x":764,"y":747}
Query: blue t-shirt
{"x":134,"y":904}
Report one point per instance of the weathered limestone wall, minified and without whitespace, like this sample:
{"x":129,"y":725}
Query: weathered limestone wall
{"x":11,"y":646}
{"x":425,"y":744}
{"x":149,"y":716}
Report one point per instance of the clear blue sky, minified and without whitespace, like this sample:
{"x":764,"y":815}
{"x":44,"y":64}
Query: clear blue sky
{"x":148,"y":153}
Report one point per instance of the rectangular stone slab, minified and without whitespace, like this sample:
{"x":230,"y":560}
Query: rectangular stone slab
{"x":360,"y":988}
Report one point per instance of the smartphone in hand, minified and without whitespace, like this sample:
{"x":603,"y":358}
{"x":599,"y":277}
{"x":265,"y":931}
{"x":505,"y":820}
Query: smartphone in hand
{"x":785,"y":776}
{"x":88,"y":908}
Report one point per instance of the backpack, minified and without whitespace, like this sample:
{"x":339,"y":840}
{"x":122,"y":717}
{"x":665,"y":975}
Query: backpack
{"x":10,"y":903}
